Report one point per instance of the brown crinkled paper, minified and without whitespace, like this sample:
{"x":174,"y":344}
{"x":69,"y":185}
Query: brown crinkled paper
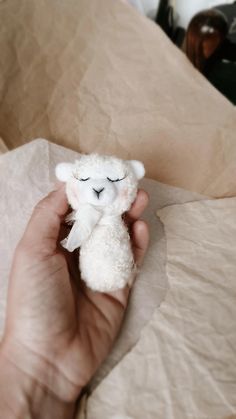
{"x":3,"y":147}
{"x":95,"y":75}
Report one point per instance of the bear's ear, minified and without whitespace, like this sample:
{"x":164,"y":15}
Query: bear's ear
{"x":138,"y":168}
{"x":64,"y":171}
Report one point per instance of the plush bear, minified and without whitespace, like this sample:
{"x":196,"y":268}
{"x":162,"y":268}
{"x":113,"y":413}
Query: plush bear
{"x":100,"y":189}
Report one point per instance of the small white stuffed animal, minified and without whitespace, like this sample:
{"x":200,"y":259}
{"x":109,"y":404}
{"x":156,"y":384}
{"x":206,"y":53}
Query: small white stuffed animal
{"x":100,"y":189}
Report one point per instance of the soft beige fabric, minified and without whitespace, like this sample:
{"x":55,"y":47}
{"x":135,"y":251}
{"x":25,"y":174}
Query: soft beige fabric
{"x":30,"y":178}
{"x":175,"y":356}
{"x":183,"y":365}
{"x":96,"y":75}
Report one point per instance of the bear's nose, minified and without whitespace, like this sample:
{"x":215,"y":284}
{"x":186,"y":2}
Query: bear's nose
{"x":97,"y":192}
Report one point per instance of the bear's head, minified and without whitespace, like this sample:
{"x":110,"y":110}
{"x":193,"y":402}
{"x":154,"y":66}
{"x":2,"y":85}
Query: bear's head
{"x":105,"y":182}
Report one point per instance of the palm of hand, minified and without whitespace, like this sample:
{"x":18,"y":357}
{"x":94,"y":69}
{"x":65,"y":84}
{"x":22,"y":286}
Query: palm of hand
{"x":68,"y":328}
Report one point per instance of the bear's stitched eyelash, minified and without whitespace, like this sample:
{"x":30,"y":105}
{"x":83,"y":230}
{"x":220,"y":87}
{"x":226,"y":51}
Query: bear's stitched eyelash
{"x":115,"y":180}
{"x":82,"y":180}
{"x":110,"y":180}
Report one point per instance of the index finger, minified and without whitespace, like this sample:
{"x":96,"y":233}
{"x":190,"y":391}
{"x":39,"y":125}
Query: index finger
{"x":138,"y":206}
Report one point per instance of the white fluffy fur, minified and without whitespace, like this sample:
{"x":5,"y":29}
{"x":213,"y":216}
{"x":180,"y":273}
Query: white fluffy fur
{"x":100,"y":189}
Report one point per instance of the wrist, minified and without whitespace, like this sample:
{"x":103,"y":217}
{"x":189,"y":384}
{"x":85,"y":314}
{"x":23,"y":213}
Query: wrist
{"x":28,"y":389}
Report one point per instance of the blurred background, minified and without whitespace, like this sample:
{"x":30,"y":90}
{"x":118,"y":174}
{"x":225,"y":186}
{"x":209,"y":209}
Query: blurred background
{"x":205,"y":30}
{"x":184,"y":9}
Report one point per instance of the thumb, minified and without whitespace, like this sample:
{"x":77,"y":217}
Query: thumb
{"x":43,"y":228}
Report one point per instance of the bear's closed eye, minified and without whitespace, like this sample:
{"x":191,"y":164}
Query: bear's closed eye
{"x":81,"y":179}
{"x":110,"y":180}
{"x":115,"y":180}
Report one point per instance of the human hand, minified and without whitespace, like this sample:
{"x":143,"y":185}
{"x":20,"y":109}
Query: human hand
{"x":57,"y":330}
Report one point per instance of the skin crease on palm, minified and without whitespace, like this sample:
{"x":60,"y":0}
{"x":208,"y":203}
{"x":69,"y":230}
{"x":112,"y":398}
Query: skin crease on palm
{"x":58,"y":331}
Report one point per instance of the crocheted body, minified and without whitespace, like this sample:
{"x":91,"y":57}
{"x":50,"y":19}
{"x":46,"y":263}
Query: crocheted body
{"x":106,"y":258}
